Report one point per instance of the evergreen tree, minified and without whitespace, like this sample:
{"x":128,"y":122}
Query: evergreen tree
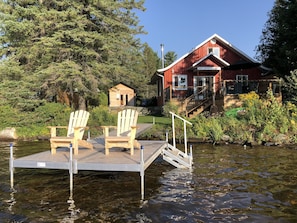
{"x":150,"y":61}
{"x":68,"y":50}
{"x":170,"y":57}
{"x":291,"y":86}
{"x":278,"y":45}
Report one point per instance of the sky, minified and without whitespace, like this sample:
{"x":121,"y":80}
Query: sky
{"x":181,"y":25}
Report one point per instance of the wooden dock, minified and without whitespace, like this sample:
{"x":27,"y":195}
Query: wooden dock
{"x":117,"y":160}
{"x":93,"y":159}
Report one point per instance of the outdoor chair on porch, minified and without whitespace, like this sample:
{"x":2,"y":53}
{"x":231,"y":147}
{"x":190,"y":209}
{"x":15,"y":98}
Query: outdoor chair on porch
{"x":75,"y":131}
{"x":125,"y":132}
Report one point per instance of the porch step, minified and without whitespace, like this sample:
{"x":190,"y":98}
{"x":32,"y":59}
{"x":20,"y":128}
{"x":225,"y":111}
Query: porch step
{"x":176,"y":157}
{"x":199,"y":109}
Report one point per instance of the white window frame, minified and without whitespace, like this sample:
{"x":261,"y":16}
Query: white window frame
{"x":180,"y":82}
{"x":242,"y":78}
{"x":214,"y":51}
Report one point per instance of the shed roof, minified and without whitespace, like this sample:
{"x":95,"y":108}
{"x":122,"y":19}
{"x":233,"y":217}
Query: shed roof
{"x":122,"y":84}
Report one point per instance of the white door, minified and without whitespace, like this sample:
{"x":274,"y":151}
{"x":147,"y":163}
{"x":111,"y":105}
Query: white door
{"x":202,"y":87}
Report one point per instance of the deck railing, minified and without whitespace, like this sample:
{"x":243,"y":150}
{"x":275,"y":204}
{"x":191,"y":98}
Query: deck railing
{"x":185,"y":122}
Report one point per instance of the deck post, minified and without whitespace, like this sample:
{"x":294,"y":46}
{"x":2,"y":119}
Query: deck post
{"x":166,"y":136}
{"x":191,"y":156}
{"x":11,"y":169}
{"x":173,"y":131}
{"x":185,"y":137}
{"x":71,"y":169}
{"x":142,"y":173}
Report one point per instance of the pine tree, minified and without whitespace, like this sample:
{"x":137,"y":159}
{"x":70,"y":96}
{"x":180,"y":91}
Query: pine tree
{"x":150,"y":61}
{"x":291,"y":86}
{"x":170,"y":57}
{"x":278,"y":45}
{"x":68,"y":50}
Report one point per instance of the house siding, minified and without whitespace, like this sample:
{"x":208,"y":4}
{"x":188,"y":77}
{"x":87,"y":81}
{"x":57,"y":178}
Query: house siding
{"x":207,"y":65}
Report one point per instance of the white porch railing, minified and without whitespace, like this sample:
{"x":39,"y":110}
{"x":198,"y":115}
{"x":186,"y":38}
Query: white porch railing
{"x":173,"y":155}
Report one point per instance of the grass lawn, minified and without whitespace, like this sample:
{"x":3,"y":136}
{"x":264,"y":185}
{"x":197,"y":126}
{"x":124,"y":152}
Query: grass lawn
{"x":158,"y":120}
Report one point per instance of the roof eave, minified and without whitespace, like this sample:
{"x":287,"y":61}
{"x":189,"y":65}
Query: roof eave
{"x":216,"y":36}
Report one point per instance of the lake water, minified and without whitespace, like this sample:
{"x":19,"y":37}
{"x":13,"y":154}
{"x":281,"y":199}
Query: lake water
{"x":228,"y":184}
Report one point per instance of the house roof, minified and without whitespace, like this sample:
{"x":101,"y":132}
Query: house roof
{"x":210,"y":56}
{"x":215,"y":36}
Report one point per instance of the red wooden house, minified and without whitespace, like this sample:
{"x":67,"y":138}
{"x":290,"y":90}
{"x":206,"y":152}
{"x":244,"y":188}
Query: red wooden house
{"x":212,"y":74}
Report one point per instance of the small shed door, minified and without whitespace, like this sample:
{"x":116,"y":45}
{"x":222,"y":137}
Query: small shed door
{"x":124,"y":99}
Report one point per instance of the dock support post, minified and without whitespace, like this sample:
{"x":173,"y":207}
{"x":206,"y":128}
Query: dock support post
{"x":11,"y":169}
{"x":166,"y":136}
{"x":142,"y":173}
{"x":71,"y":169}
{"x":191,"y":156}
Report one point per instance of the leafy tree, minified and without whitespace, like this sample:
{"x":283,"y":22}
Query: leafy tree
{"x":278,"y":45}
{"x":67,"y":50}
{"x":169,"y":58}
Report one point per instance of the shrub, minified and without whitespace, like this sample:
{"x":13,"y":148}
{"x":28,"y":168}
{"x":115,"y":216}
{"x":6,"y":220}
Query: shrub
{"x":169,"y":107}
{"x":100,"y":116}
{"x":103,"y":99}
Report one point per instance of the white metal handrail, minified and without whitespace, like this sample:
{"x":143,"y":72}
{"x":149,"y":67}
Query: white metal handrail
{"x":173,"y":115}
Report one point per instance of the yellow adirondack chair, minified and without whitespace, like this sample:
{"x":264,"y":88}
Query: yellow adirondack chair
{"x":75,"y":131}
{"x":126,"y":132}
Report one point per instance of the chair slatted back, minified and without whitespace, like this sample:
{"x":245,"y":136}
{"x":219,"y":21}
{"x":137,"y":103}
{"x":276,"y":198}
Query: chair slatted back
{"x":77,"y":118}
{"x":126,"y":119}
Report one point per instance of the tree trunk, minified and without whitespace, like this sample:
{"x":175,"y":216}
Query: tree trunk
{"x":79,"y":102}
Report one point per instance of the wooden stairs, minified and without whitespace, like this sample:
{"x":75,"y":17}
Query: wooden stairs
{"x":173,"y":155}
{"x":176,"y":157}
{"x":192,"y":106}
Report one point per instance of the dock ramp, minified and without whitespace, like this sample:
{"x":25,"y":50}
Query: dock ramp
{"x":172,"y":154}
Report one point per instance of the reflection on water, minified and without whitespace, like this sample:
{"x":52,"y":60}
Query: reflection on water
{"x":227,"y":184}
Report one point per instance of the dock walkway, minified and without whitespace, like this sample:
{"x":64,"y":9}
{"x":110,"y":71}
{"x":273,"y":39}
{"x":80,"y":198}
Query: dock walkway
{"x":94,"y":159}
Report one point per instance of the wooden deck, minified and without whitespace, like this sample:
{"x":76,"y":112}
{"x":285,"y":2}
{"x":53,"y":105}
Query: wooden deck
{"x":95,"y":159}
{"x":88,"y":159}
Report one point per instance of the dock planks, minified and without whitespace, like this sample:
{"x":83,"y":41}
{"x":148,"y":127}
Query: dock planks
{"x":93,"y":159}
{"x":87,"y":159}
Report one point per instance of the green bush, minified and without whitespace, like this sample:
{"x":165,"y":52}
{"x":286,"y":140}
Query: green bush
{"x":100,"y":116}
{"x":169,"y":107}
{"x":103,"y":99}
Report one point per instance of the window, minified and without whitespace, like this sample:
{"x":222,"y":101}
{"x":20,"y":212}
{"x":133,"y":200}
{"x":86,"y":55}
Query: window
{"x":180,"y":82}
{"x":242,"y":79}
{"x":214,"y":51}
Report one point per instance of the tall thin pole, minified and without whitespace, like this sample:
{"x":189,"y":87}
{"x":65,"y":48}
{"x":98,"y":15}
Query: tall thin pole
{"x":11,"y":166}
{"x":162,"y":66}
{"x":142,"y":172}
{"x":162,"y":55}
{"x":71,"y":169}
{"x":173,"y":130}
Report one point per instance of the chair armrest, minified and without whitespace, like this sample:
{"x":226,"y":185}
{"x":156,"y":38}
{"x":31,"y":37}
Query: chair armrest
{"x":133,"y":132}
{"x":77,"y":130}
{"x":53,"y":129}
{"x":81,"y":127}
{"x":106,"y":129}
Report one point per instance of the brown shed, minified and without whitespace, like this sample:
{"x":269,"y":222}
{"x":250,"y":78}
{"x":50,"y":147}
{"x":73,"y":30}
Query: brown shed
{"x":122,"y":95}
